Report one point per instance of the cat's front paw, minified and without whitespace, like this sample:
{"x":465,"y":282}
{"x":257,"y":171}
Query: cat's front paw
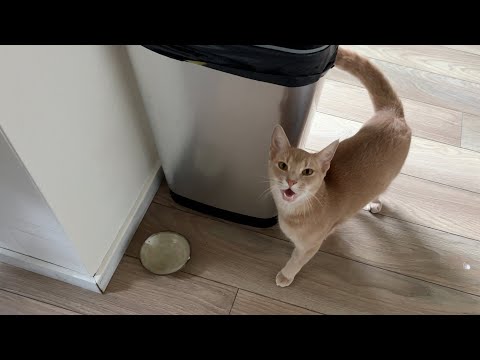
{"x":282,"y":280}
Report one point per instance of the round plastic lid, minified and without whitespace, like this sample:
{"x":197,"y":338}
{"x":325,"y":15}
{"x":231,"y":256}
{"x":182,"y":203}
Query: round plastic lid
{"x":165,"y":253}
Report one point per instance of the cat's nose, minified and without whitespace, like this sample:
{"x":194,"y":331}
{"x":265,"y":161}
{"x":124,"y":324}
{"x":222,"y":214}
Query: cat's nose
{"x":291,"y":182}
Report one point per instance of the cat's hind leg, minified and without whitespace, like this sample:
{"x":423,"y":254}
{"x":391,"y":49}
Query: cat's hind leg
{"x":374,"y":206}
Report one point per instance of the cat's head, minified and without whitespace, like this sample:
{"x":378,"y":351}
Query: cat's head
{"x":296,"y":175}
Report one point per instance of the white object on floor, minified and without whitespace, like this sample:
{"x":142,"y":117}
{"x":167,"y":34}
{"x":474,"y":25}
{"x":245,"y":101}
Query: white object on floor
{"x":165,"y":253}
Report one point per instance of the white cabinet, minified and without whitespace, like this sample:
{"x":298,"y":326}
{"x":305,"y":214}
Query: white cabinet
{"x":27,"y":224}
{"x":78,"y":164}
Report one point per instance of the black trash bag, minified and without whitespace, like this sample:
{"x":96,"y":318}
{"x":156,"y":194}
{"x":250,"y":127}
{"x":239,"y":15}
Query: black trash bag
{"x":286,"y":65}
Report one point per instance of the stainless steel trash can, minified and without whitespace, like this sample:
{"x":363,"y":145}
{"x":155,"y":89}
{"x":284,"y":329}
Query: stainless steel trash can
{"x":212,"y":110}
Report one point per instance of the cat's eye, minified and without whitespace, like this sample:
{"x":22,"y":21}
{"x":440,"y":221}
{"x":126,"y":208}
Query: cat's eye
{"x":307,"y":172}
{"x":282,"y":165}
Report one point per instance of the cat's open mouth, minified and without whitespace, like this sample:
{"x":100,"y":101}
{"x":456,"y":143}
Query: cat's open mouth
{"x":289,"y":195}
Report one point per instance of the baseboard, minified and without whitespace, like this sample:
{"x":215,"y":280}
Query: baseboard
{"x":119,"y":246}
{"x":99,"y":282}
{"x":48,"y":269}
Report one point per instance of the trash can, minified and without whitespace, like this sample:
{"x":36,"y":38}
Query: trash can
{"x":212,"y":110}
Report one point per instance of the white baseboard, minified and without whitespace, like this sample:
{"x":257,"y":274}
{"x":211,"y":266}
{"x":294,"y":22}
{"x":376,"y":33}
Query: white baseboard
{"x":47,"y":269}
{"x":99,"y":282}
{"x":119,"y":246}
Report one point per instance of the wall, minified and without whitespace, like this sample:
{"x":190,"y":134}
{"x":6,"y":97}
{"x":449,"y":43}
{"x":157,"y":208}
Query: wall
{"x":75,"y":118}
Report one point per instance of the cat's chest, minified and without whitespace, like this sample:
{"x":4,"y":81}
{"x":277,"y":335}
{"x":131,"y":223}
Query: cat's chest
{"x":305,"y":231}
{"x":295,"y":232}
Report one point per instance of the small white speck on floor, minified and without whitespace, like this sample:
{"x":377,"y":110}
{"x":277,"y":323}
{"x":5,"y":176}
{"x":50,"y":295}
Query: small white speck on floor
{"x":466,"y":266}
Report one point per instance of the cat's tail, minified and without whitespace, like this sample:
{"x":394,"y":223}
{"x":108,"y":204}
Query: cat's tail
{"x":381,"y":92}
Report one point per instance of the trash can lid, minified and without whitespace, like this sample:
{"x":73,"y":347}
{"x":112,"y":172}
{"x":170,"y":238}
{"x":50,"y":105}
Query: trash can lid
{"x":282,"y":64}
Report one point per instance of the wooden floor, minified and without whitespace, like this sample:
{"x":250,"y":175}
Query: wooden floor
{"x":420,"y":255}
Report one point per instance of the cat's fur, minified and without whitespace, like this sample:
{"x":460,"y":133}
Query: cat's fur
{"x":347,"y":175}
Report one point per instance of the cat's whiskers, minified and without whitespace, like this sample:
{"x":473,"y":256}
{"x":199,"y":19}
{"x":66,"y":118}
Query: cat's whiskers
{"x":314,"y":196}
{"x":308,"y":207}
{"x":266,"y":191}
{"x":273,"y":185}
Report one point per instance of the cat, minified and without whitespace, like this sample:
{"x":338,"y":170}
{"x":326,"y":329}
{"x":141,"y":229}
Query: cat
{"x":314,"y":193}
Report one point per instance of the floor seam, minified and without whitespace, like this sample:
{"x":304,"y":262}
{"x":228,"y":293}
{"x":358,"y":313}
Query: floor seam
{"x":233,"y":302}
{"x":401,"y":96}
{"x":39,"y":300}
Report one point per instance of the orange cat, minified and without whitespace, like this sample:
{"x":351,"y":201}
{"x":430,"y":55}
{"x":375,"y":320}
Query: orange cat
{"x":315,"y":192}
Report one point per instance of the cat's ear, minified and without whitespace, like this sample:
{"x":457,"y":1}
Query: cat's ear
{"x":325,"y":156}
{"x":279,"y":141}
